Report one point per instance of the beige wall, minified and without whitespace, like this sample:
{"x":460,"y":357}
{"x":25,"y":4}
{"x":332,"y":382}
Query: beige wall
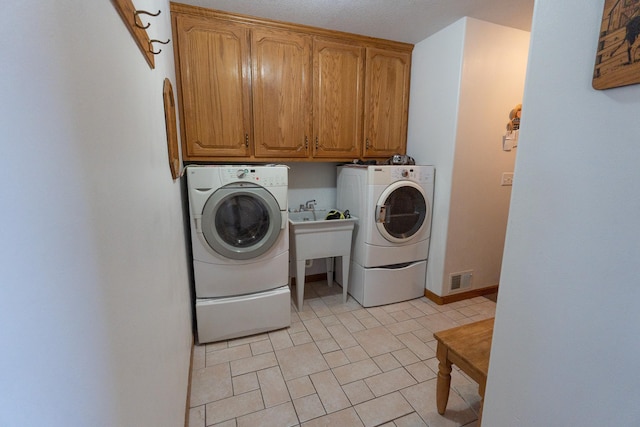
{"x":465,"y":81}
{"x":493,"y":75}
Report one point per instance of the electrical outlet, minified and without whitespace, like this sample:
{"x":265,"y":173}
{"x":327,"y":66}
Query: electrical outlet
{"x":507,"y":178}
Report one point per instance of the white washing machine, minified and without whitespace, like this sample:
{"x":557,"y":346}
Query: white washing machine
{"x":240,"y":241}
{"x":391,"y":241}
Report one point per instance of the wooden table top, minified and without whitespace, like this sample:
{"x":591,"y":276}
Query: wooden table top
{"x":471,"y":343}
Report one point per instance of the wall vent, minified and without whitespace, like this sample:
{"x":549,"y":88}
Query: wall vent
{"x":460,"y":280}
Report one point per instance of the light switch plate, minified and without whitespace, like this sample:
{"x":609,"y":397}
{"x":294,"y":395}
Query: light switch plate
{"x":507,"y":178}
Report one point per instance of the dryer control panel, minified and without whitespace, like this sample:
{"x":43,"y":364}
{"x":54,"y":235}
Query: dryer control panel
{"x":389,"y":174}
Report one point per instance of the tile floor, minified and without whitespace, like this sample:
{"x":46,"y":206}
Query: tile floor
{"x":337,"y":365}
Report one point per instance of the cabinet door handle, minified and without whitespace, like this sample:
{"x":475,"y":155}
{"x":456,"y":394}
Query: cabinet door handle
{"x":368,"y":144}
{"x":246,"y":140}
{"x":306,"y":142}
{"x":316,"y":142}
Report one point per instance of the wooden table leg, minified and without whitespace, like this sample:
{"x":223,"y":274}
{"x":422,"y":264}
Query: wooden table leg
{"x":444,"y":378}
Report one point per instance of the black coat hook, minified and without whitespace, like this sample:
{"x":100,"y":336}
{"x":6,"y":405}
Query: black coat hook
{"x":143,"y":12}
{"x":152,"y":41}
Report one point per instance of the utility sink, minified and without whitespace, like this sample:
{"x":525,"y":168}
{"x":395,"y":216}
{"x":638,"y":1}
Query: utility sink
{"x":305,"y":216}
{"x":311,"y":237}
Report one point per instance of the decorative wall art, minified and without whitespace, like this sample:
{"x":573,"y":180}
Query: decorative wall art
{"x":510,"y":139}
{"x":618,"y":56}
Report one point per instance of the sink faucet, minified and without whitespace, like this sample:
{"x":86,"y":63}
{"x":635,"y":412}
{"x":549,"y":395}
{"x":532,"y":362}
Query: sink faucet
{"x":309,"y":206}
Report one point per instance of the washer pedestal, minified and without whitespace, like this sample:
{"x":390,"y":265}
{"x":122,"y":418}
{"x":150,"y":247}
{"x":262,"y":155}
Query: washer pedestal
{"x":224,"y":318}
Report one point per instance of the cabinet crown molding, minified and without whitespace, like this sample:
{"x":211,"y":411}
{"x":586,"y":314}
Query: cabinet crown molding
{"x":252,"y":20}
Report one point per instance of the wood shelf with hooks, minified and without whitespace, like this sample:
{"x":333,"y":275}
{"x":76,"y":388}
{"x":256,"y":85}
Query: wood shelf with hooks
{"x":128,"y":14}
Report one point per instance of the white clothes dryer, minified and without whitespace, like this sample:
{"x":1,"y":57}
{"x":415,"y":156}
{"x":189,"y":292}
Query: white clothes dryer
{"x":391,"y":242}
{"x":240,"y":242}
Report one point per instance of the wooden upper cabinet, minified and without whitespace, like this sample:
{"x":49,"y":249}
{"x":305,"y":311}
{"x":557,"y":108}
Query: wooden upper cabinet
{"x":386,"y":102}
{"x":281,"y":81}
{"x":215,"y":87}
{"x":338,"y":81}
{"x":258,"y":90}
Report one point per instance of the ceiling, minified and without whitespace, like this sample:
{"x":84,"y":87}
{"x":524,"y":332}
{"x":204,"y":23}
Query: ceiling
{"x":401,"y":20}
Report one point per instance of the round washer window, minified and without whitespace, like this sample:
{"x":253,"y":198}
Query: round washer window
{"x":241,"y":221}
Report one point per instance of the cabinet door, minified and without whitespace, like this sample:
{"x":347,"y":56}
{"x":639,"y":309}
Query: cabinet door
{"x":214,"y":73}
{"x":338,"y":80}
{"x":281,"y":81}
{"x":386,"y":102}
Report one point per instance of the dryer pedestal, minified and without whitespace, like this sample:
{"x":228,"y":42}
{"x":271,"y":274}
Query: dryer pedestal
{"x":385,"y":285}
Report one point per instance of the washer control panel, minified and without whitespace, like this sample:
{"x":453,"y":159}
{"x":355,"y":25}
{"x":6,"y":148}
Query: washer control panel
{"x":266,"y":176}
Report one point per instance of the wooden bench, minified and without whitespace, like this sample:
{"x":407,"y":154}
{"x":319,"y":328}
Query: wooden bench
{"x":468,"y":347}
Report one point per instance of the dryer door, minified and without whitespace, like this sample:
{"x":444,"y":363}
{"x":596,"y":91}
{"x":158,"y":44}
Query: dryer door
{"x":402,"y":211}
{"x":241,"y":221}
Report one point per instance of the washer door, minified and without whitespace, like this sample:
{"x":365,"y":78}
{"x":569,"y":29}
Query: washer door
{"x":401,"y":211}
{"x":241,"y":221}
